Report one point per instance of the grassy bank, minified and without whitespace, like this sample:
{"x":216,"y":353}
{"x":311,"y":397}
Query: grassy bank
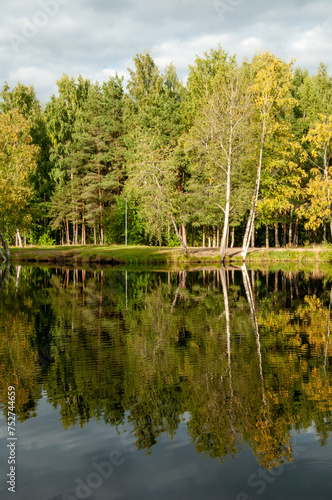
{"x":117,"y":255}
{"x":113,"y":255}
{"x":291,"y":255}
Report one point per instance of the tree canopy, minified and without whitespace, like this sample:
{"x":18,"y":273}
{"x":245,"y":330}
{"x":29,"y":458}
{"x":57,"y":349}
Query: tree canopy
{"x":238,"y":148}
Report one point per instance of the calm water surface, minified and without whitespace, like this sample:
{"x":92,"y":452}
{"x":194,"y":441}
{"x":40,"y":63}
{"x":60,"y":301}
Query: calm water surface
{"x":166,"y":385}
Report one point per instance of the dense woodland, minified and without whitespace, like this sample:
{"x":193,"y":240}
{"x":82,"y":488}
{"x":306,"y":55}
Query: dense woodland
{"x":238,"y":155}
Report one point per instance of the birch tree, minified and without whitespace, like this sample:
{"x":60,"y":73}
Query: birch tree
{"x":152,"y":183}
{"x":217,"y":136}
{"x":272,"y":81}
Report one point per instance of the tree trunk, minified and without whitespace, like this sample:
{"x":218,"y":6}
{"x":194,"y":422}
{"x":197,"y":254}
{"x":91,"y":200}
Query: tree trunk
{"x":101,"y":234}
{"x":5,"y":275}
{"x":253,"y":236}
{"x":182,"y":284}
{"x":19,"y":239}
{"x":76,"y":233}
{"x":284,"y":232}
{"x":232,"y":237}
{"x":3,"y":256}
{"x":228,"y":331}
{"x":67,"y":231}
{"x":251,"y":219}
{"x":203,"y":236}
{"x":296,"y":233}
{"x":214,"y":236}
{"x":181,"y":240}
{"x":192,"y":235}
{"x":184,"y":233}
{"x":83,"y":239}
{"x":276,"y":287}
{"x":18,"y":272}
{"x":218,"y":235}
{"x":276,"y":236}
{"x":5,"y":245}
{"x":290,"y":231}
{"x":253,"y":313}
{"x":266,"y":236}
{"x":223,"y":243}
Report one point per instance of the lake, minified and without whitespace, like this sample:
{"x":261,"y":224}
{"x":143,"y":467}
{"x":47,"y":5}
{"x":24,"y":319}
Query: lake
{"x":131,"y":384}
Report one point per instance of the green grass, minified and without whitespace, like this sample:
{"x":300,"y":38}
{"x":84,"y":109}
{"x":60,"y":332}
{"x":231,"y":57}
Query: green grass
{"x":147,"y":255}
{"x":91,"y":253}
{"x":115,"y":255}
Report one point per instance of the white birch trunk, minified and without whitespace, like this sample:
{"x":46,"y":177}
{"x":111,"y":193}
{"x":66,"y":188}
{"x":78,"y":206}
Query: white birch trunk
{"x":223,"y":243}
{"x":250,"y":223}
{"x":228,"y":332}
{"x":233,"y":237}
{"x":182,"y":242}
{"x":18,"y":272}
{"x":19,"y":239}
{"x":251,"y":302}
{"x":181,"y":285}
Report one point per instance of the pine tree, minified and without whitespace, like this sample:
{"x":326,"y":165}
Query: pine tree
{"x":153,"y":124}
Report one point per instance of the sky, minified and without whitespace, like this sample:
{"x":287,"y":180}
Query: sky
{"x":42,"y":39}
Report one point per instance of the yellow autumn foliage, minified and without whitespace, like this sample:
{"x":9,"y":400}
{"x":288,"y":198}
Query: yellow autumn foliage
{"x":17,"y":163}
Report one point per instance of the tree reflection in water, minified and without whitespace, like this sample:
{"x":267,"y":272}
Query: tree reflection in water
{"x":248,"y":365}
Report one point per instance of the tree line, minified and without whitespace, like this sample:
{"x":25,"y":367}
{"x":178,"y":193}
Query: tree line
{"x":238,"y":154}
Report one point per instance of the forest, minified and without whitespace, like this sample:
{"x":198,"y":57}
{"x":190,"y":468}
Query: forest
{"x":239,"y":155}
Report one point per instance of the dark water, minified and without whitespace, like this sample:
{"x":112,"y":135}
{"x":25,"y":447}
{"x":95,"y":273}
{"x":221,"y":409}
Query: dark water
{"x":159,"y":385}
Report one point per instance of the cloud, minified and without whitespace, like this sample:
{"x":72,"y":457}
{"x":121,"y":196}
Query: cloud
{"x":313,"y":46}
{"x":41,"y":39}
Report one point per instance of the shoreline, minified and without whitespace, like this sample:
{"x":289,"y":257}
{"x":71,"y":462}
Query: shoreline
{"x":120,"y":255}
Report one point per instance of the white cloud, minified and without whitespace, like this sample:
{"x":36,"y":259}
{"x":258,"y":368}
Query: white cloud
{"x":251,"y":45}
{"x":182,"y":53}
{"x":313,"y":46}
{"x":95,"y":38}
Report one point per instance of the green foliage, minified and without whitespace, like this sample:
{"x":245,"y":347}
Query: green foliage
{"x":46,"y":239}
{"x":17,"y":163}
{"x":152,"y":145}
{"x":115,"y":223}
{"x":153,"y":123}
